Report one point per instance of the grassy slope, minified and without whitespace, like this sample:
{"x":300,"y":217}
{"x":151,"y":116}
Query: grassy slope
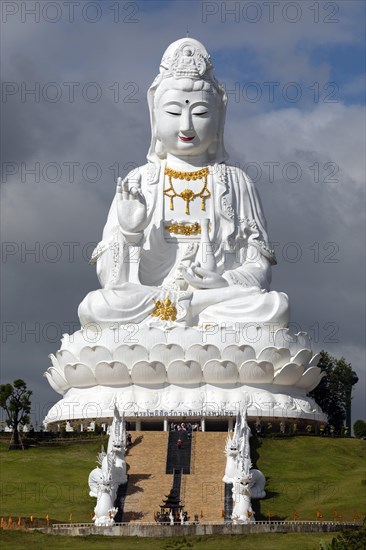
{"x":304,"y":474}
{"x":309,"y":541}
{"x":51,"y":480}
{"x":307,"y":474}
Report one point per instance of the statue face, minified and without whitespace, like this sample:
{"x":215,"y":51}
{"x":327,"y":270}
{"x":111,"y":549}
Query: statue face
{"x":187,"y":122}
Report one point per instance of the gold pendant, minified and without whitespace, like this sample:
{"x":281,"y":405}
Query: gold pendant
{"x":187,"y":195}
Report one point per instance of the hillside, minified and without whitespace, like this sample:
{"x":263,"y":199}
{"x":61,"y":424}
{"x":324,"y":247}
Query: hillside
{"x":304,"y":474}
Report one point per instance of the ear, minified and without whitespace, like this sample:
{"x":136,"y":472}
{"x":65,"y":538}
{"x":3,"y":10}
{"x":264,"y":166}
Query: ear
{"x":159,"y":148}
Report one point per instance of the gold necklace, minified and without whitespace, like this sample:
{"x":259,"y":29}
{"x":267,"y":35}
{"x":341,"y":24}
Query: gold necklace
{"x":187,"y":195}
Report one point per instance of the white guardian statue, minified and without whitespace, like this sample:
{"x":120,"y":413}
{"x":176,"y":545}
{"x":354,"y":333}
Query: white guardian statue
{"x":105,"y":480}
{"x":247,"y":482}
{"x":185,"y":319}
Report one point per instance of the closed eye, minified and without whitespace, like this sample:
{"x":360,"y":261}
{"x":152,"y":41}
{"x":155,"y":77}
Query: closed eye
{"x":171,"y":113}
{"x":201,"y":114}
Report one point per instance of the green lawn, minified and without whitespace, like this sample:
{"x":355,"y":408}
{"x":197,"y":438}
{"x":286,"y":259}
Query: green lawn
{"x":48,"y":480}
{"x":308,"y":541}
{"x":304,"y":474}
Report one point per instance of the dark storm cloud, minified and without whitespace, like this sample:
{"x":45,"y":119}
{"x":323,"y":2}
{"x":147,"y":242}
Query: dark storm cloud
{"x":81,"y":145}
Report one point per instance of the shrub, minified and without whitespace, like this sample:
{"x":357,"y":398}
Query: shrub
{"x":359,"y":428}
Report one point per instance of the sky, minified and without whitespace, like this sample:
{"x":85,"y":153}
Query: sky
{"x":74,"y":116}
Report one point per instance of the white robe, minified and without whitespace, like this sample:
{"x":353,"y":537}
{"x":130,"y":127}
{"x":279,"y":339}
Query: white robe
{"x":134,"y":275}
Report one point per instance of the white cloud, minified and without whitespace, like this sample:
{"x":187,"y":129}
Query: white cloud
{"x":106,"y":132}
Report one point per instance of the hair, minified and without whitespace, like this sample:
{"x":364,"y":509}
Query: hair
{"x":185,"y":85}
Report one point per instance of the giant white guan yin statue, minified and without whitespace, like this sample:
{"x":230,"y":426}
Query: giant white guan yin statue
{"x":185,"y":319}
{"x":105,"y":479}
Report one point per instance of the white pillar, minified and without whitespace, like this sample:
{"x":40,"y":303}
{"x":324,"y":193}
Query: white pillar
{"x":231,"y":424}
{"x":165,"y":425}
{"x":203,"y":425}
{"x":81,"y":427}
{"x":138,"y":425}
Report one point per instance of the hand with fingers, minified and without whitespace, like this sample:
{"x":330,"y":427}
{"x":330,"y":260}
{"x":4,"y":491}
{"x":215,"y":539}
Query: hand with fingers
{"x":131,"y":205}
{"x":198,"y":277}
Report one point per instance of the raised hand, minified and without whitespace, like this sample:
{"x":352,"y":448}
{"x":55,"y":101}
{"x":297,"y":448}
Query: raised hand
{"x":131,"y":205}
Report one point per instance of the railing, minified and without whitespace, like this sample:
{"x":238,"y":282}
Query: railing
{"x":273,"y":522}
{"x":193,"y":452}
{"x":183,"y":486}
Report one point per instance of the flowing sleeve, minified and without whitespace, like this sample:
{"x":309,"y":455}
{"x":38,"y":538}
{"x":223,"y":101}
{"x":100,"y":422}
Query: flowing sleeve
{"x":251,"y":240}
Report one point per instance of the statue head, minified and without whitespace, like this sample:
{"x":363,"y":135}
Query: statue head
{"x":186,"y":98}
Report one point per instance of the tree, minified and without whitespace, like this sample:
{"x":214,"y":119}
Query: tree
{"x":359,"y":428}
{"x":334,"y":393}
{"x":347,"y":540}
{"x":15,"y":400}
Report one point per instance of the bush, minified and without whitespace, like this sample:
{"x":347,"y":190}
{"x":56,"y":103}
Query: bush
{"x":348,"y":540}
{"x":359,"y":428}
{"x":98,"y":430}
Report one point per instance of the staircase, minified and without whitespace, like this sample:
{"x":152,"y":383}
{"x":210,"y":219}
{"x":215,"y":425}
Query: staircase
{"x":177,"y":480}
{"x":147,"y":480}
{"x":172,"y":501}
{"x":151,"y":461}
{"x":179,"y":458}
{"x":204,"y":488}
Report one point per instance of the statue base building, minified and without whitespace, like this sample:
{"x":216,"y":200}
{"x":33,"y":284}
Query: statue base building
{"x":161,"y":373}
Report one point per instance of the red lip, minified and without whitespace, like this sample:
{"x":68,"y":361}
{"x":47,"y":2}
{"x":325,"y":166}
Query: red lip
{"x":184,"y":138}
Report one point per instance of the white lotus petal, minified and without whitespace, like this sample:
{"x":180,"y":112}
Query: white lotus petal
{"x":302,"y":357}
{"x":148,"y":337}
{"x":277,"y":356}
{"x":288,"y":375}
{"x":220,"y":372}
{"x":202,"y":353}
{"x":56,"y":365}
{"x":238,"y":354}
{"x":184,"y":372}
{"x":65,"y":357}
{"x":184,"y":336}
{"x":256,"y":372}
{"x":315,"y":360}
{"x":79,"y":375}
{"x":284,"y":338}
{"x":58,"y":378}
{"x":310,"y":379}
{"x":129,"y":355}
{"x":148,"y":372}
{"x":91,"y":355}
{"x":166,"y":353}
{"x":53,"y":384}
{"x":112,"y":374}
{"x":65,"y":339}
{"x":303,"y":341}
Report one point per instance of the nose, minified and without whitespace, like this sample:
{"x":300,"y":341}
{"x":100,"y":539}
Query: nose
{"x":186,"y":121}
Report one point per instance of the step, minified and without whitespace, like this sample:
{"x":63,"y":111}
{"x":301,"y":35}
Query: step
{"x":202,"y":490}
